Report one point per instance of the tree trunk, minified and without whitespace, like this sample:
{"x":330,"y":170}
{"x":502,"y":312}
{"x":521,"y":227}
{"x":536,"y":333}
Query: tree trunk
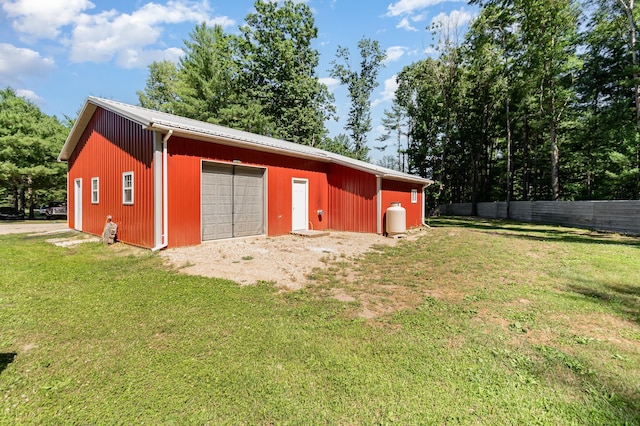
{"x":21,"y":200}
{"x":628,"y":9}
{"x":474,"y":189}
{"x":555,"y":181}
{"x":16,"y":198}
{"x":400,"y":159}
{"x":30,"y":198}
{"x":526,"y":166}
{"x":509,"y":177}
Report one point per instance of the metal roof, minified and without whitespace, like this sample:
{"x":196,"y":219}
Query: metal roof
{"x":163,"y":122}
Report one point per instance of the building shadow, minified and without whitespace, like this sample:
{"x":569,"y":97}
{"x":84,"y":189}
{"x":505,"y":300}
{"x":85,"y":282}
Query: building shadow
{"x":537,"y":232}
{"x":6,"y":358}
{"x":621,"y":298}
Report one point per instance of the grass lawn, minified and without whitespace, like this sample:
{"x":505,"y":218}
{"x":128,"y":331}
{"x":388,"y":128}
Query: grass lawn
{"x":476,"y":322}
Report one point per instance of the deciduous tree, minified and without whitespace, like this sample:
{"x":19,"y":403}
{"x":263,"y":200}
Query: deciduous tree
{"x":30,"y":142}
{"x":279,"y":66}
{"x":360,"y":84}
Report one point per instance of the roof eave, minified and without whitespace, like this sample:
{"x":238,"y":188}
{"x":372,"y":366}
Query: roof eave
{"x":233,"y":138}
{"x":86,"y":113}
{"x":409,"y":178}
{"x":371,"y":169}
{"x":76,"y":131}
{"x":230,"y":141}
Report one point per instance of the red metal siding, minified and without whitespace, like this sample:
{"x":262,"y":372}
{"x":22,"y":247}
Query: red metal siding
{"x":401,"y":191}
{"x":185,"y":157}
{"x":352,"y":200}
{"x":109,"y":146}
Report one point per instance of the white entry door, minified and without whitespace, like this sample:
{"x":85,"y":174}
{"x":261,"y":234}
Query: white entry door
{"x":77,"y":204}
{"x":299,"y":205}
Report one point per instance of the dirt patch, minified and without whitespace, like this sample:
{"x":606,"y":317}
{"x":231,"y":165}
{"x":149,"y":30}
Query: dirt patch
{"x":285,"y":260}
{"x":606,"y":327}
{"x":378,"y":300}
{"x":78,"y":238}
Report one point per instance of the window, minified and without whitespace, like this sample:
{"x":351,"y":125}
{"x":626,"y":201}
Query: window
{"x":127,"y":188}
{"x":414,"y":196}
{"x":95,"y":190}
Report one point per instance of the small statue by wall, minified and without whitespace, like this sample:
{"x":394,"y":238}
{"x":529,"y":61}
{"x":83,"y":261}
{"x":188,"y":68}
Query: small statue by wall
{"x":110,"y":231}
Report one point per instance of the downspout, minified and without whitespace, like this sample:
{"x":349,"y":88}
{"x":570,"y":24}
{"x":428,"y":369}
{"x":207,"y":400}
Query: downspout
{"x":165,"y":193}
{"x":379,"y":205}
{"x":424,"y":207}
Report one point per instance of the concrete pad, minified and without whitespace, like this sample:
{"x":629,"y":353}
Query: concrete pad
{"x":309,"y":233}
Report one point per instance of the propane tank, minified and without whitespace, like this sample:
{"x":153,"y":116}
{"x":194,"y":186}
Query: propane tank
{"x":396,"y":219}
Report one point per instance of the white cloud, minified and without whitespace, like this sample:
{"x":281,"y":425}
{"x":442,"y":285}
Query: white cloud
{"x":411,"y":11}
{"x":173,"y":13}
{"x":17,"y":63}
{"x":132,"y":58}
{"x":418,"y":18}
{"x":430,"y":51}
{"x":43,"y":19}
{"x":223,"y":21}
{"x":406,"y":7}
{"x":405,"y":25}
{"x":389,"y":91}
{"x":98,"y":38}
{"x":330,"y":82}
{"x":29,"y":95}
{"x":394,"y":53}
{"x":101,"y":37}
{"x":132,"y":39}
{"x":455,"y":19}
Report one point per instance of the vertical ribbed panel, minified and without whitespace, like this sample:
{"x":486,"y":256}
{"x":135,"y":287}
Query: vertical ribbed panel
{"x":185,"y":165}
{"x":183,"y":192}
{"x":352,"y":200}
{"x":110,"y":146}
{"x":393,"y":191}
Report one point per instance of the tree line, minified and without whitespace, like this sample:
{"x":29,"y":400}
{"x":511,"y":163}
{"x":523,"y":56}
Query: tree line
{"x":264,"y":80}
{"x":30,"y":142}
{"x":539,"y":100}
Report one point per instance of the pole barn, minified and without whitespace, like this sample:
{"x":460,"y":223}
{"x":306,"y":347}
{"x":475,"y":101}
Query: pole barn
{"x":169,"y":181}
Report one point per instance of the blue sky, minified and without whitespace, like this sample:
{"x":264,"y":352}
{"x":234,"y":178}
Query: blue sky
{"x":58,"y":52}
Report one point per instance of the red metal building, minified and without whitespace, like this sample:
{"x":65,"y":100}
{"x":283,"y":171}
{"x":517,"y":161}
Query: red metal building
{"x":171,"y":181}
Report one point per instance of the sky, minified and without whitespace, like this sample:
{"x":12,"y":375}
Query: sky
{"x":56,"y":53}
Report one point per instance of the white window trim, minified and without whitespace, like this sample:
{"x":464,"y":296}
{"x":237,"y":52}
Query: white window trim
{"x":124,"y":189}
{"x":95,"y":191}
{"x":414,"y":196}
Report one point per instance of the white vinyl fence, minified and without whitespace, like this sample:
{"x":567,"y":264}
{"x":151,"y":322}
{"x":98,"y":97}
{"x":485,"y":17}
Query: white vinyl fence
{"x":616,"y":216}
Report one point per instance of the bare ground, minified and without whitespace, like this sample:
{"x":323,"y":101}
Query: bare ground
{"x":286,"y":260}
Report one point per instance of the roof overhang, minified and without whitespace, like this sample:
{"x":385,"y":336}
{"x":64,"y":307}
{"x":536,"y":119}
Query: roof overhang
{"x":192,"y":129}
{"x":86,"y":113}
{"x":225,"y":139}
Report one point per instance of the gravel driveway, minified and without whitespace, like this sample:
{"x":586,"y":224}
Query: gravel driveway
{"x":285,"y":260}
{"x":32,"y":227}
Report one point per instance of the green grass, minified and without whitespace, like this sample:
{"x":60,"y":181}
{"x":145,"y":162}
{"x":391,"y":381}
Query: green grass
{"x":476,"y":322}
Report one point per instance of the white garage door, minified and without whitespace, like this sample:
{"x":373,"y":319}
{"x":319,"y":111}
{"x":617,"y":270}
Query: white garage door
{"x":232,"y":201}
